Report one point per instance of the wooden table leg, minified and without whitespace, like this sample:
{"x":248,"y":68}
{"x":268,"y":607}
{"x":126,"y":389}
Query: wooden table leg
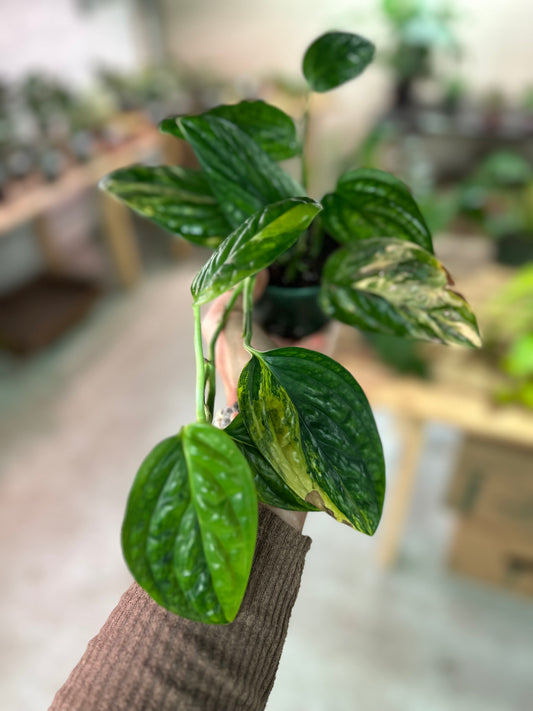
{"x":120,"y":235}
{"x":49,"y":251}
{"x":398,"y":499}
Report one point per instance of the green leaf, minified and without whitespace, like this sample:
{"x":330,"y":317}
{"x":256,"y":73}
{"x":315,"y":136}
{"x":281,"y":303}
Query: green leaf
{"x":518,"y":361}
{"x":253,"y":246}
{"x":396,"y":287}
{"x":373,"y":203}
{"x":335,"y":58}
{"x":178,"y":199}
{"x":271,"y":128}
{"x":241,"y":174}
{"x":312,"y":422}
{"x":190,"y":526}
{"x":271,"y":489}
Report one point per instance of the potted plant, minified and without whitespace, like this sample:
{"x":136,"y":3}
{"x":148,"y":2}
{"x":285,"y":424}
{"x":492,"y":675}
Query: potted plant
{"x":509,"y":337}
{"x":48,"y":102}
{"x":305,"y":437}
{"x":6,"y":133}
{"x":419,"y":30}
{"x":499,"y":195}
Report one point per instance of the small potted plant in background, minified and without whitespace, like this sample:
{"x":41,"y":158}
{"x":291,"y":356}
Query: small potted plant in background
{"x":419,"y":30}
{"x":48,"y":102}
{"x":305,"y":437}
{"x":6,"y":134}
{"x":499,"y":196}
{"x":509,"y":337}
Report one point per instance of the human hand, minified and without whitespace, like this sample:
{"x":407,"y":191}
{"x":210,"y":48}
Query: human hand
{"x":231,"y":357}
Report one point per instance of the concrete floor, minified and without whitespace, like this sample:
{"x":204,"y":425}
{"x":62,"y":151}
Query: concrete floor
{"x":78,"y":419}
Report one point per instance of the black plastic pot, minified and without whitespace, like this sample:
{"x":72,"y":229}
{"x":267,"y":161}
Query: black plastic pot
{"x":290,"y":312}
{"x":514,"y":249}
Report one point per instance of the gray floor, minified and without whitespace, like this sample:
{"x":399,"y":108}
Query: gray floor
{"x":76,"y":422}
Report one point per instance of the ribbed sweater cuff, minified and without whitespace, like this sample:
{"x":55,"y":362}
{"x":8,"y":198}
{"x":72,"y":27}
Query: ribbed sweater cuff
{"x":148,"y":659}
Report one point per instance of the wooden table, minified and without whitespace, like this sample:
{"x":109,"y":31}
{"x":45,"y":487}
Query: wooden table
{"x":447,"y":399}
{"x":33,"y":204}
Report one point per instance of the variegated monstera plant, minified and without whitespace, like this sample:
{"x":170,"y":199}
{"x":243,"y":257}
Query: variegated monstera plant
{"x":305,"y":437}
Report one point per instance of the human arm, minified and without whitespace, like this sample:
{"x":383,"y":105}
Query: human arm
{"x":147,"y":658}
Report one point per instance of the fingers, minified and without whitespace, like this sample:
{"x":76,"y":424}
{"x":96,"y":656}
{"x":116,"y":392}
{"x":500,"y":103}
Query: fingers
{"x":231,"y":356}
{"x":216,"y":311}
{"x":261,"y":281}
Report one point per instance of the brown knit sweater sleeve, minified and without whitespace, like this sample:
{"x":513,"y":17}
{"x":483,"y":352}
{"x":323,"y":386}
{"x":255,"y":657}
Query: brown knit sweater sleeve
{"x":148,"y":659}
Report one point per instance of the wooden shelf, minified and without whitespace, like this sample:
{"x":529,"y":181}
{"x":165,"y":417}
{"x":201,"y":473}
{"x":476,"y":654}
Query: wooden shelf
{"x":455,"y":397}
{"x":33,"y":204}
{"x":47,"y":196}
{"x":466,"y":408}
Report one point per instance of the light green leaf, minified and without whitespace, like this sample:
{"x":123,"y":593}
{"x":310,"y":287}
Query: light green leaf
{"x":396,"y":287}
{"x":271,"y":489}
{"x":253,"y":246}
{"x":178,"y":199}
{"x":241,"y":174}
{"x":335,"y":58}
{"x":373,"y":203}
{"x":518,"y":361}
{"x":189,"y":531}
{"x":312,"y":422}
{"x":271,"y":128}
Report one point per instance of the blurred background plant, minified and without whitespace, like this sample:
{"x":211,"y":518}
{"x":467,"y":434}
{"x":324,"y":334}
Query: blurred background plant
{"x":421,"y":32}
{"x":498,"y":197}
{"x":509,"y":336}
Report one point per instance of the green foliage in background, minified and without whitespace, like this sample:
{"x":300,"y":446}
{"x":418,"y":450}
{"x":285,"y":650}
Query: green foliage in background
{"x":510,"y":335}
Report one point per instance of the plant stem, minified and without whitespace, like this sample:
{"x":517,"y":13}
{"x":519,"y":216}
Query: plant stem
{"x":211,"y":370}
{"x":200,"y":366}
{"x":247,"y":308}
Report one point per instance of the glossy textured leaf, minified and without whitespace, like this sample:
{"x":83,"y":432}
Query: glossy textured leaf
{"x":271,"y":489}
{"x":396,"y":287}
{"x":178,"y":199}
{"x":335,"y":58}
{"x":242,"y":176}
{"x":271,"y":128}
{"x":312,"y":422}
{"x":253,"y":246}
{"x":373,"y":203}
{"x":190,"y":526}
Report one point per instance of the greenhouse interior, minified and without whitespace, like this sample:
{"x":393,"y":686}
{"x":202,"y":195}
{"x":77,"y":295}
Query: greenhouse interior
{"x":266,"y":269}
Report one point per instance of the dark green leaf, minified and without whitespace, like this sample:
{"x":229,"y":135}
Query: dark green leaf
{"x":312,"y":422}
{"x":373,"y":203}
{"x":272,"y":129}
{"x":178,"y":199}
{"x":271,"y":489}
{"x":190,"y":525}
{"x":396,"y":287}
{"x":170,"y":125}
{"x":335,"y":58}
{"x":241,"y":174}
{"x":253,"y":246}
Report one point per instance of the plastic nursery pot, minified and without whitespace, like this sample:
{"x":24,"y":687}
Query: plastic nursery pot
{"x":514,"y":249}
{"x":290,"y":312}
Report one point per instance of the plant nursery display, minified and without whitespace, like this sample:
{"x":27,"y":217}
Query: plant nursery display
{"x":305,"y":437}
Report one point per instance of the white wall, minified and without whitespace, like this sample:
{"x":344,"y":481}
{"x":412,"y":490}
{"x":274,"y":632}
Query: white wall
{"x":243,"y":35}
{"x":57,"y":37}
